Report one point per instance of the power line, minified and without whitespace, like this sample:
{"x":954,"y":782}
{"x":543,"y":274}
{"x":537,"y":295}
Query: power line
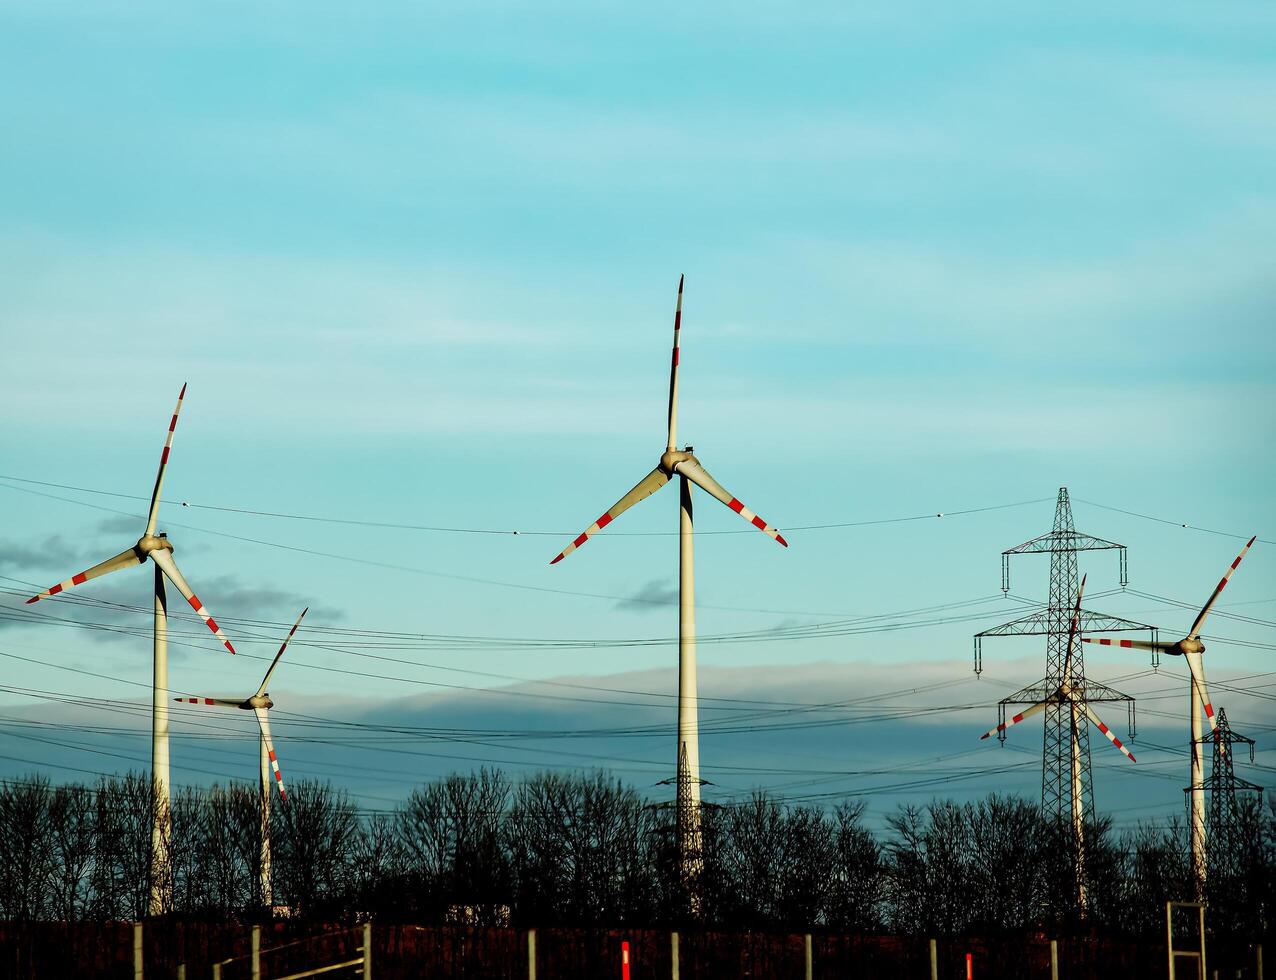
{"x":398,"y":526}
{"x":1162,"y":520}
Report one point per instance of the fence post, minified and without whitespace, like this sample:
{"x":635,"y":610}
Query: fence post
{"x":1200,"y":911}
{"x":624,"y":960}
{"x":137,"y":951}
{"x":1258,"y":961}
{"x":256,"y":954}
{"x":367,"y":951}
{"x":673,"y":955}
{"x":217,"y":971}
{"x":531,"y":954}
{"x":181,"y":971}
{"x":934,"y":961}
{"x":810,"y":972}
{"x":1054,"y":959}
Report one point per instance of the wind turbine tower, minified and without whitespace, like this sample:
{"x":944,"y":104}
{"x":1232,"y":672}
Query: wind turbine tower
{"x":260,"y":704}
{"x":154,"y":545}
{"x":1192,"y":648}
{"x":1066,"y":793}
{"x":680,"y":463}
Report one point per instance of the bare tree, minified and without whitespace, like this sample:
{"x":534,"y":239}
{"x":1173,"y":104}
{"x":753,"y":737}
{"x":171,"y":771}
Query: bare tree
{"x":313,"y":842}
{"x":26,"y":848}
{"x":1007,"y":873}
{"x":379,"y":880}
{"x":72,"y":829}
{"x":752,"y":858}
{"x":858,"y":872}
{"x":578,"y":845}
{"x":451,"y":833}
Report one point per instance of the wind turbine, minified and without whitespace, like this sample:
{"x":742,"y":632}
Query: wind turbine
{"x":1075,"y":700}
{"x":157,"y":548}
{"x":259,"y":704}
{"x":681,"y":463}
{"x":1190,"y":648}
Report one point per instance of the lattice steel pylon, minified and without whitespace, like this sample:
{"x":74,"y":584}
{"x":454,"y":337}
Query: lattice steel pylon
{"x":689,"y":836}
{"x":1225,"y":823}
{"x":1066,"y":793}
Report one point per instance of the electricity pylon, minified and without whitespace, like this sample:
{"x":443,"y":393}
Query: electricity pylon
{"x":1066,"y":793}
{"x":1226,"y":823}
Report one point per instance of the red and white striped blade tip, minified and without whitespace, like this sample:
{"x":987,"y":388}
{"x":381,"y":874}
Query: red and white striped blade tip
{"x":1110,"y":736}
{"x":737,"y":505}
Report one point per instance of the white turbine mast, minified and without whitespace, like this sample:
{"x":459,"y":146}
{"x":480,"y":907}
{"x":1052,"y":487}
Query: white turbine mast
{"x":259,"y":704}
{"x":1191,"y":648}
{"x":159,"y":550}
{"x":681,"y":463}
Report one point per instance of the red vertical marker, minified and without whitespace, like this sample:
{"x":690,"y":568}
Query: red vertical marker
{"x":624,"y":961}
{"x":970,"y":971}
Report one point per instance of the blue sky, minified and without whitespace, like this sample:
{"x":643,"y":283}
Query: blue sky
{"x":418,"y":266}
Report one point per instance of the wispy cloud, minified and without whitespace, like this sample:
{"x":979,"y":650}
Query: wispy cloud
{"x":653,"y":596}
{"x":52,"y":553}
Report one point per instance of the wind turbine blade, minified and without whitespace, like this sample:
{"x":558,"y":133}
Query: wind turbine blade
{"x":1222,"y":584}
{"x":1104,"y":641}
{"x":164,"y":559}
{"x":698,"y":475}
{"x":125,"y":559}
{"x":648,"y":485}
{"x":282,"y":647}
{"x":215,"y":702}
{"x":1036,"y":709}
{"x":673,"y":370}
{"x":153,"y":517}
{"x":1072,"y":633}
{"x":263,"y":723}
{"x":1104,"y":728}
{"x":1196,"y":665}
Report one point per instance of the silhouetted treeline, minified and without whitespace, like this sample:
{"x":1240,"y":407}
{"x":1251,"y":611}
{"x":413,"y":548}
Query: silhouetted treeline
{"x":587,"y":850}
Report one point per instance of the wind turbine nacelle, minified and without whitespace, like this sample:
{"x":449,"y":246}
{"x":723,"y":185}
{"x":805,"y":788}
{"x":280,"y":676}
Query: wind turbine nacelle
{"x":672,"y":457}
{"x":151,"y":542}
{"x":258,"y":701}
{"x":1193,"y":645}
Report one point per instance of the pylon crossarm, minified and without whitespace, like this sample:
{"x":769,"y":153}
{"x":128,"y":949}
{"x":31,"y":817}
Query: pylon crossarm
{"x":1042,"y":622}
{"x":1091,"y":690}
{"x":1063,"y":541}
{"x":1042,"y":690}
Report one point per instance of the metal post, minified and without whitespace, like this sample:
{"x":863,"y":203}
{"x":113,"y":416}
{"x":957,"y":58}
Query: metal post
{"x":217,"y":971}
{"x":1169,"y":936}
{"x":137,"y":951}
{"x":531,"y":954}
{"x":1054,"y":959}
{"x":181,"y":971}
{"x":1201,"y":925}
{"x":367,"y":951}
{"x":934,"y":961}
{"x":624,"y":960}
{"x":1258,"y":961}
{"x":673,"y":955}
{"x":970,"y":967}
{"x":256,"y":953}
{"x":810,"y":972}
